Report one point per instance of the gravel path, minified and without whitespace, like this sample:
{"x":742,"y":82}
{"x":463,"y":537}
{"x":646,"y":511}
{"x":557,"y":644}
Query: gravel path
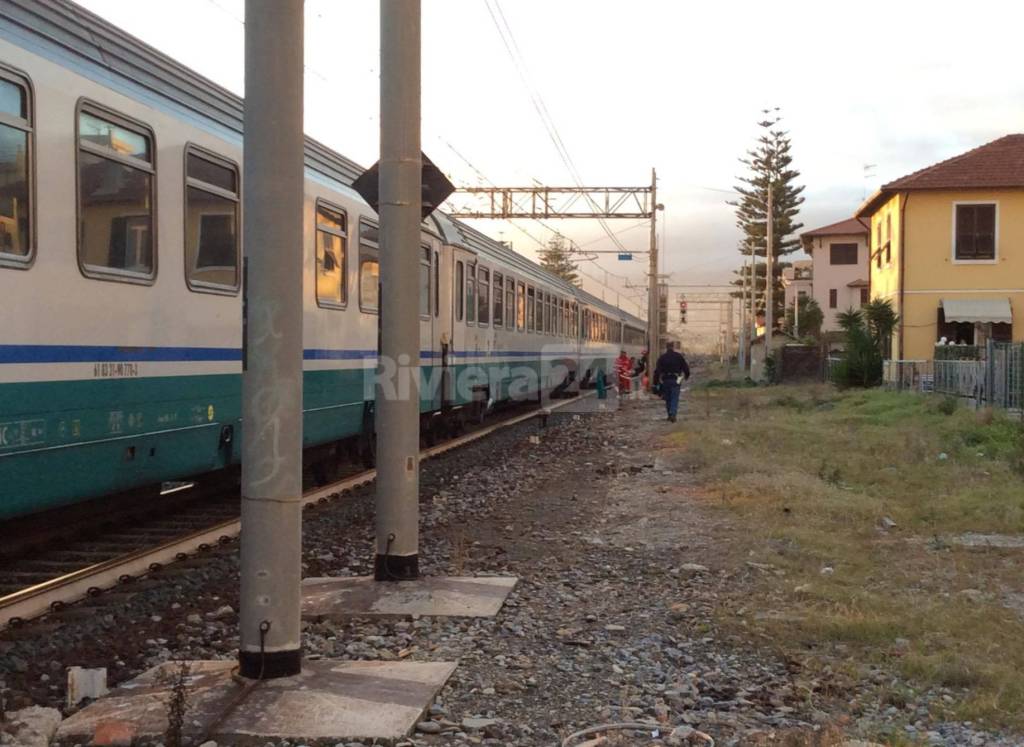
{"x":623,"y":578}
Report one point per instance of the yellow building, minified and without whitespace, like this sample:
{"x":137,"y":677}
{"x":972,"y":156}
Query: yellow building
{"x":947,"y":248}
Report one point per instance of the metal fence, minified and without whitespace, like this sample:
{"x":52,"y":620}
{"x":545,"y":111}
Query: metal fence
{"x":993,"y":376}
{"x":1005,"y":385}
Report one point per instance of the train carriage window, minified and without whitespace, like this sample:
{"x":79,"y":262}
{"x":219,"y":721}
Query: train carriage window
{"x":425,"y":282}
{"x":471,"y":294}
{"x":483,"y":296}
{"x":331,"y":256}
{"x":499,"y":300}
{"x":460,"y":291}
{"x":116,"y":196}
{"x":531,"y":309}
{"x":17,"y":239}
{"x":521,"y":306}
{"x":211,"y":222}
{"x":547,"y":313}
{"x":369,"y":267}
{"x":437,"y":284}
{"x":510,"y":303}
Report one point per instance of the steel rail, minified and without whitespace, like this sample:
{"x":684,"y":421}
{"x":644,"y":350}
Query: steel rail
{"x":51,"y":595}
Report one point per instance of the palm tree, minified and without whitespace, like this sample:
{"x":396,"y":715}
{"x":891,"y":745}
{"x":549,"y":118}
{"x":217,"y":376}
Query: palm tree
{"x":881,"y":321}
{"x":850,"y":319}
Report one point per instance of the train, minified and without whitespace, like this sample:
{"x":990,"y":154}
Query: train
{"x":121,"y":281}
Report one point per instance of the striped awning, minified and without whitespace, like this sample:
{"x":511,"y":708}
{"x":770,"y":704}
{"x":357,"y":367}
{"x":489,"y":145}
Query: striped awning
{"x":977,"y":310}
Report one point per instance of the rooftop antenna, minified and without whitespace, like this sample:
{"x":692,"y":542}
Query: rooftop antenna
{"x":869,"y":171}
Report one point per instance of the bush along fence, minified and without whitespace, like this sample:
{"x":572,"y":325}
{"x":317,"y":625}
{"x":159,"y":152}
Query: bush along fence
{"x":991,"y":375}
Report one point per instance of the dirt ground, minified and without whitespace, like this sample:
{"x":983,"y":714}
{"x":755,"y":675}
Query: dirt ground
{"x":632,"y":605}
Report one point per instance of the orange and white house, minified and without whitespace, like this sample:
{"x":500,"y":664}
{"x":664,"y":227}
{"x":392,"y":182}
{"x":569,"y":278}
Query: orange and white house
{"x":839,"y":255}
{"x":947,"y":248}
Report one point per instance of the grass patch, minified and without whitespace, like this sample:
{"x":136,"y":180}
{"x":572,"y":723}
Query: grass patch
{"x":854,"y":497}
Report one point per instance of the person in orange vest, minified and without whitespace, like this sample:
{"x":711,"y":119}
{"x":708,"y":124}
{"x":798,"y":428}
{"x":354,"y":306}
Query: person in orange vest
{"x":624,"y":370}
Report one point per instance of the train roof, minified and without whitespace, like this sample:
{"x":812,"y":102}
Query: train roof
{"x":70,"y":34}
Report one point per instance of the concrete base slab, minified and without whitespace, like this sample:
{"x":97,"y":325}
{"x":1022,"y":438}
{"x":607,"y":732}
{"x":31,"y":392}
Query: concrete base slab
{"x":332,"y":700}
{"x":431,"y":595}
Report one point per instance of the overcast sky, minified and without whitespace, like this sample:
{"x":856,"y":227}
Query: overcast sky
{"x":634,"y":84}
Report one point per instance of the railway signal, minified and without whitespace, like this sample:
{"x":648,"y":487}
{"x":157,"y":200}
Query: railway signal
{"x":682,"y":311}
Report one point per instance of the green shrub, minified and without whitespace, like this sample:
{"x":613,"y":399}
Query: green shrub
{"x":947,"y":405}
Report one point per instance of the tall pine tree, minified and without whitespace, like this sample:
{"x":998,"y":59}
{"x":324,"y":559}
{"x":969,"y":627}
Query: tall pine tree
{"x":557,"y":259}
{"x":768,"y":163}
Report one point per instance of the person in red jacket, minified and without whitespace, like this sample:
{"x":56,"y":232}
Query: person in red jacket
{"x":624,"y":371}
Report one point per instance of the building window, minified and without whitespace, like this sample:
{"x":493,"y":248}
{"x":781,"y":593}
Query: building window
{"x":842,"y":254}
{"x":460,"y":289}
{"x":369,"y":267}
{"x":833,"y":298}
{"x":116,"y":169}
{"x":331,"y":256}
{"x":425,"y":282}
{"x":960,"y":333}
{"x":863,"y":296}
{"x":499,"y":300}
{"x":16,"y":231}
{"x":483,"y":296}
{"x":975,"y":231}
{"x":521,"y":307}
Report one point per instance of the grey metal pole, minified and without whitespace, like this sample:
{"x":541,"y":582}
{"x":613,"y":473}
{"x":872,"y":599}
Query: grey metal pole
{"x":796,"y":313}
{"x":653,"y":348}
{"x":742,"y":353}
{"x":730,"y":311}
{"x":753,"y":295}
{"x":398,"y":373}
{"x":769,"y":290}
{"x":272,"y":194}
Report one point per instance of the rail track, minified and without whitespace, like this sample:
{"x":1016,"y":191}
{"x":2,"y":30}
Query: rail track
{"x":162,"y":545}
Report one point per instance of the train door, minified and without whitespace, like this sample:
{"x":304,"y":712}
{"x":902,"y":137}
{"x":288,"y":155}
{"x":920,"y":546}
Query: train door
{"x":443,"y":326}
{"x":429,"y":354}
{"x":462,"y":343}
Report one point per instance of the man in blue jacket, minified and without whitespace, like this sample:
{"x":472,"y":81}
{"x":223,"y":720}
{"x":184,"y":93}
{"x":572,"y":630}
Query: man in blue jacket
{"x":671,"y":365}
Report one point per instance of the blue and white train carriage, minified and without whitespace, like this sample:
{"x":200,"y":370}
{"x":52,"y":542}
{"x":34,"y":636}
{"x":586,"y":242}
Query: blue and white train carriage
{"x":120,"y":348}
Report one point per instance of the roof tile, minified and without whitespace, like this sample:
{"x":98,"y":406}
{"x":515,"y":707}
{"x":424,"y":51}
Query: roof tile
{"x":848,"y":227}
{"x":996,"y":164}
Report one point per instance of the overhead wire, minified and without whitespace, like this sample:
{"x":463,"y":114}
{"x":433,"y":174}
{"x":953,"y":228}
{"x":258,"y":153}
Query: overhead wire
{"x":515,"y":54}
